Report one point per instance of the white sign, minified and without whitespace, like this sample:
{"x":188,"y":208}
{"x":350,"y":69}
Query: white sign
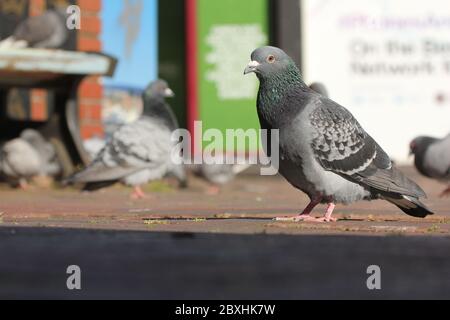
{"x":387,"y":61}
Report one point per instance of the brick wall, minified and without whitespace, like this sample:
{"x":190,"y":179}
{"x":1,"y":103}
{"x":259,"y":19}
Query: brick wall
{"x":91,"y":91}
{"x":38,"y":98}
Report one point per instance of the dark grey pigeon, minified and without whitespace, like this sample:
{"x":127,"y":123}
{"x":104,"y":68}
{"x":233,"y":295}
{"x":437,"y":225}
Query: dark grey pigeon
{"x":138,"y":152}
{"x":319,"y":88}
{"x":324,"y":151}
{"x":47,"y":30}
{"x":432,"y":158}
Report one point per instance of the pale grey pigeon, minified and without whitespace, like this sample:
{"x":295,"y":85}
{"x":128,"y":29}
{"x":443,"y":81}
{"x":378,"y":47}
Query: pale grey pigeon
{"x":47,"y":30}
{"x":50,"y":165}
{"x":19,"y":162}
{"x":432,"y":158}
{"x":324,"y":151}
{"x":138,"y":152}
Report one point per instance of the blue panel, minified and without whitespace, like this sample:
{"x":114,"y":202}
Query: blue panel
{"x":129,"y":32}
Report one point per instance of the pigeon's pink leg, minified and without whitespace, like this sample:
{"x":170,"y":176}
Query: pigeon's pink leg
{"x":23,"y":184}
{"x":445,"y":193}
{"x":305,"y":215}
{"x":213,"y":190}
{"x":328,"y":213}
{"x":137,"y":193}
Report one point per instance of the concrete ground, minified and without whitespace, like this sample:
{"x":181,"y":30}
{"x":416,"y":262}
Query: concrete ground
{"x":187,"y":244}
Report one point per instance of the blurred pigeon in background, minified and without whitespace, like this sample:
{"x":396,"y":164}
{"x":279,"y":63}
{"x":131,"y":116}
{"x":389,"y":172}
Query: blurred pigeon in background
{"x":50,"y":165}
{"x":19,"y":162}
{"x":138,"y":152}
{"x":29,"y":156}
{"x":432,"y":158}
{"x":324,"y":151}
{"x":319,"y":88}
{"x":218,"y":174}
{"x":48,"y":30}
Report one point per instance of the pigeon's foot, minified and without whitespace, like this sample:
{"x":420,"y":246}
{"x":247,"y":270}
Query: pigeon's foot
{"x":305,"y":216}
{"x":327,"y":217}
{"x":445,"y":193}
{"x":24,"y":185}
{"x":138,"y":193}
{"x":213,"y":190}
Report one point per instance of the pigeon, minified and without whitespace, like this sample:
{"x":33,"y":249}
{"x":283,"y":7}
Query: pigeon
{"x":50,"y":165}
{"x":218,"y":174}
{"x":19,"y":162}
{"x":323,"y":149}
{"x":138,"y":152}
{"x":432,"y":158}
{"x":47,"y":30}
{"x":319,"y":88}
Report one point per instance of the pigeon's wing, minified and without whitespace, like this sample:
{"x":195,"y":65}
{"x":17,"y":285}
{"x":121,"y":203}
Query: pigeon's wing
{"x":342,"y":146}
{"x":133,"y":147}
{"x":34,"y":29}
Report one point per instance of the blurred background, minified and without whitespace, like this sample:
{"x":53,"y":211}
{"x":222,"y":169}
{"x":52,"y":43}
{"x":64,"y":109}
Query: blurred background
{"x":387,"y":61}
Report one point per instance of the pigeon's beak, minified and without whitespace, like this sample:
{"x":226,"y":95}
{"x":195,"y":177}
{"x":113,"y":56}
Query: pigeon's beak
{"x":251,"y":67}
{"x":169,"y":93}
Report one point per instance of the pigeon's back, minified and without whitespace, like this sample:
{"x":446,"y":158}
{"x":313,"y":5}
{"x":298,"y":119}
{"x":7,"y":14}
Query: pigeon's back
{"x":143,"y":144}
{"x":437,"y":159}
{"x":45,"y":31}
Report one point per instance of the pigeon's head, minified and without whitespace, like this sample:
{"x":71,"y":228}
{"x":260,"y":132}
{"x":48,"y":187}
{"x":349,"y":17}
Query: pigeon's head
{"x":269,"y":61}
{"x":420,"y":144}
{"x":158,"y":89}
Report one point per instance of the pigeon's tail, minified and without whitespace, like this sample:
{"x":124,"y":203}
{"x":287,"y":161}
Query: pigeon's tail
{"x":410,"y":205}
{"x":93,"y":186}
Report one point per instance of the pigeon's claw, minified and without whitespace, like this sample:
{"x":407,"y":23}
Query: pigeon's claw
{"x":445,"y":193}
{"x":304,"y":218}
{"x":138,"y":193}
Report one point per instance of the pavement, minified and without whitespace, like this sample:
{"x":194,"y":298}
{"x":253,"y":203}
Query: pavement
{"x":186,"y":244}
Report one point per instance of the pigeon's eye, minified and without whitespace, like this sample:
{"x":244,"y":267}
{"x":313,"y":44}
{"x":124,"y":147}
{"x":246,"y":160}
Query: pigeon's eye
{"x":271,"y":59}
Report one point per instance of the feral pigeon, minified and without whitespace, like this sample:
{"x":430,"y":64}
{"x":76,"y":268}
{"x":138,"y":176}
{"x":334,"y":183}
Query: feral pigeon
{"x":323,"y":149}
{"x":138,"y":152}
{"x":218,"y":174}
{"x":19,"y":162}
{"x":47,"y":30}
{"x":432,"y":158}
{"x":319,"y":88}
{"x":50,"y":165}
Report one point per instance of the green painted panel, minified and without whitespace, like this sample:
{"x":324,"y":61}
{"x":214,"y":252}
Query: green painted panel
{"x":228,"y":31}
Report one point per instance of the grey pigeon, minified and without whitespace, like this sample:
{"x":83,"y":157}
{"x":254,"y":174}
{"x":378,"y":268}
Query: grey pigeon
{"x":319,"y":88}
{"x":47,"y":30}
{"x":432,"y":158}
{"x":50,"y":165}
{"x":19,"y":162}
{"x":324,"y":151}
{"x":219,"y":174}
{"x":138,"y":152}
